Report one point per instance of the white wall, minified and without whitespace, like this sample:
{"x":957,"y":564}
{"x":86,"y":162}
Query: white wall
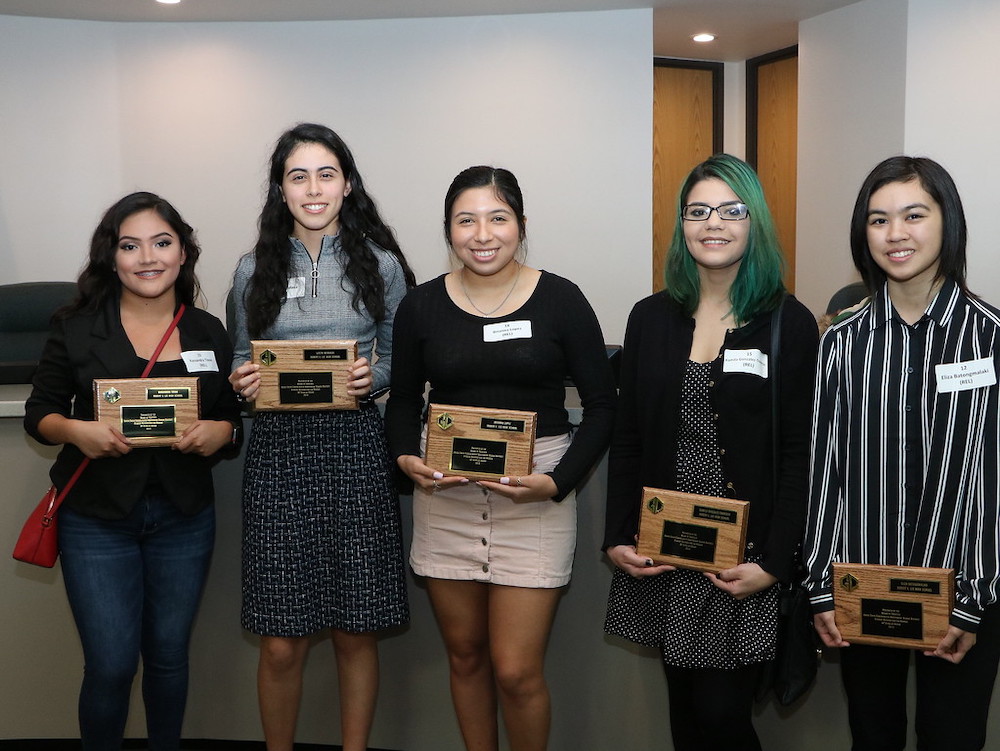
{"x":735,"y":109}
{"x":953,"y":111}
{"x":59,"y":143}
{"x":94,"y":110}
{"x":91,"y":111}
{"x":852,"y":86}
{"x":885,"y":77}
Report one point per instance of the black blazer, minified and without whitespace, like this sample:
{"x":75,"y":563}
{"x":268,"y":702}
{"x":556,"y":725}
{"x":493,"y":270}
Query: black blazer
{"x":85,"y":347}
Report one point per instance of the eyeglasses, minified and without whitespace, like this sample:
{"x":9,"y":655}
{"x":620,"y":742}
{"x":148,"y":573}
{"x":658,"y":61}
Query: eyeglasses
{"x":734,"y":211}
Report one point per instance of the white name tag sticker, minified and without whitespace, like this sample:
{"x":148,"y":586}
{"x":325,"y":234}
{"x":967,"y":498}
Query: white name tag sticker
{"x":296,"y":288}
{"x":200,"y":361}
{"x":962,"y":376}
{"x":751,"y":361}
{"x":501,"y":332}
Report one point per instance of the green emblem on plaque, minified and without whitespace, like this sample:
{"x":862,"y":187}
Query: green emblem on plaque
{"x":655,"y":505}
{"x":268,"y":357}
{"x":445,"y":421}
{"x":112,"y":395}
{"x":849,"y":582}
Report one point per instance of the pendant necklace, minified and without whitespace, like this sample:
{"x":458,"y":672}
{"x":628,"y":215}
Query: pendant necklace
{"x":485,"y":314}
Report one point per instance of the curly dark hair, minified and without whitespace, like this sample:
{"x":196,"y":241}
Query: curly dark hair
{"x":359,"y":222}
{"x":98,"y":282}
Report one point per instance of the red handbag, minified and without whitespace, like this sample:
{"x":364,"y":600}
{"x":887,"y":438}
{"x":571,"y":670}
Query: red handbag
{"x":38,"y":542}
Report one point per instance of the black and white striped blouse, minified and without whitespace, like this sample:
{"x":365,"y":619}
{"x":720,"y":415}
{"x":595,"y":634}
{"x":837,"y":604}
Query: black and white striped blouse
{"x":906,"y":437}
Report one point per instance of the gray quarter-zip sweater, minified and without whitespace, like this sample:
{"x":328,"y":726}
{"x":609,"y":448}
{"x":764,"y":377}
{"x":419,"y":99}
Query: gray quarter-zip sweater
{"x":318,"y":305}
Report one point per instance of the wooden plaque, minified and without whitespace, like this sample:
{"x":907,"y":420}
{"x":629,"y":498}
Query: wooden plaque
{"x":304,"y":374}
{"x":148,"y":411}
{"x":699,"y":532}
{"x":893,"y":606}
{"x":479,"y":443}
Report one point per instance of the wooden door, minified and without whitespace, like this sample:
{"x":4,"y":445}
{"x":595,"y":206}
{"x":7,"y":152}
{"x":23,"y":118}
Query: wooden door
{"x":687,"y":129}
{"x":772,"y":140}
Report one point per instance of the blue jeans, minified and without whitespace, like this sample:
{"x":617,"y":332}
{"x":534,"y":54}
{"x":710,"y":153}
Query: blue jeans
{"x":134,"y":587}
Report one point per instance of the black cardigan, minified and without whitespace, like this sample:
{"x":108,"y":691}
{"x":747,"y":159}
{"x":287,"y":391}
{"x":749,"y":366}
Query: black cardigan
{"x":644,"y":445}
{"x":85,"y":347}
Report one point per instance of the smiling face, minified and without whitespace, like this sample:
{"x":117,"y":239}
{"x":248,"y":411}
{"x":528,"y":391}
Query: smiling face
{"x":715,"y":244}
{"x":904,"y":233}
{"x":149,"y":256}
{"x":314,"y":188}
{"x":483,"y":230}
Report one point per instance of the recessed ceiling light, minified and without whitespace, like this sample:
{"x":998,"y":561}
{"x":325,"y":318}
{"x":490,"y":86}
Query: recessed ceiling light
{"x":704,"y":37}
{"x":168,"y":2}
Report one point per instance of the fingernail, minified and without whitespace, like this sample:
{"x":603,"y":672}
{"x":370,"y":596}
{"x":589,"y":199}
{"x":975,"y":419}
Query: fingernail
{"x":465,"y":480}
{"x":438,"y":475}
{"x":505,"y":481}
{"x":649,"y":561}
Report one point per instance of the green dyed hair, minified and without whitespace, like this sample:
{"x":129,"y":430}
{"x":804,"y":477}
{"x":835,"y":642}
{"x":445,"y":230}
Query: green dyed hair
{"x":758,"y":286}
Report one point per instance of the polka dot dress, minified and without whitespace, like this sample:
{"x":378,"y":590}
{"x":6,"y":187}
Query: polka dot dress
{"x":694,"y":623}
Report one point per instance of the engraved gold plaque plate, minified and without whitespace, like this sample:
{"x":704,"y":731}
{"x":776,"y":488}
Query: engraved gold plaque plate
{"x":304,"y":374}
{"x":479,"y":443}
{"x":893,"y":606}
{"x":692,"y":531}
{"x":148,"y":411}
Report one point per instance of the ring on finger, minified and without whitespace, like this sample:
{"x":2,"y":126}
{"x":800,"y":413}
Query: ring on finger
{"x":518,"y":482}
{"x":437,"y":485}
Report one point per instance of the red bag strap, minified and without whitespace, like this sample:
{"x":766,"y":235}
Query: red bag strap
{"x":163,"y":341}
{"x":86,"y":460}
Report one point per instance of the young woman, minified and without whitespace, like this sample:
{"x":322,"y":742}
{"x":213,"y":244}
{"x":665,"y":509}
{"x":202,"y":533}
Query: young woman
{"x":136,"y":532}
{"x":908,"y":385}
{"x":321,"y":534}
{"x":496,"y":333}
{"x":694,"y":417}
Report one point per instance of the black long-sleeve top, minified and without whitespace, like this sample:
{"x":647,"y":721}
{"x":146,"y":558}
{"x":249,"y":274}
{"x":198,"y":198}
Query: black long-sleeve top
{"x":644,"y":444}
{"x":435,"y":341}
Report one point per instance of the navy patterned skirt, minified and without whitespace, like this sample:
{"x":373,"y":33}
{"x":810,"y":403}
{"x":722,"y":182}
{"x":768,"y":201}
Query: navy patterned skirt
{"x":322,"y":546}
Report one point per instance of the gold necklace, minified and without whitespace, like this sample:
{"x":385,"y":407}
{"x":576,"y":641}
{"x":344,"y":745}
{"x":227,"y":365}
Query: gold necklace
{"x":485,"y":314}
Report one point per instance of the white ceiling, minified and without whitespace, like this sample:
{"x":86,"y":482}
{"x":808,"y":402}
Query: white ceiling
{"x":745,"y":28}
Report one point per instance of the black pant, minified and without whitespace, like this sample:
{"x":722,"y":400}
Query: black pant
{"x":953,"y":701}
{"x":710,"y":710}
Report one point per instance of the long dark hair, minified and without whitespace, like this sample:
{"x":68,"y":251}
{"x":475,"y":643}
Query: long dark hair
{"x":938,"y":183}
{"x":99,"y":282}
{"x":359,"y":221}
